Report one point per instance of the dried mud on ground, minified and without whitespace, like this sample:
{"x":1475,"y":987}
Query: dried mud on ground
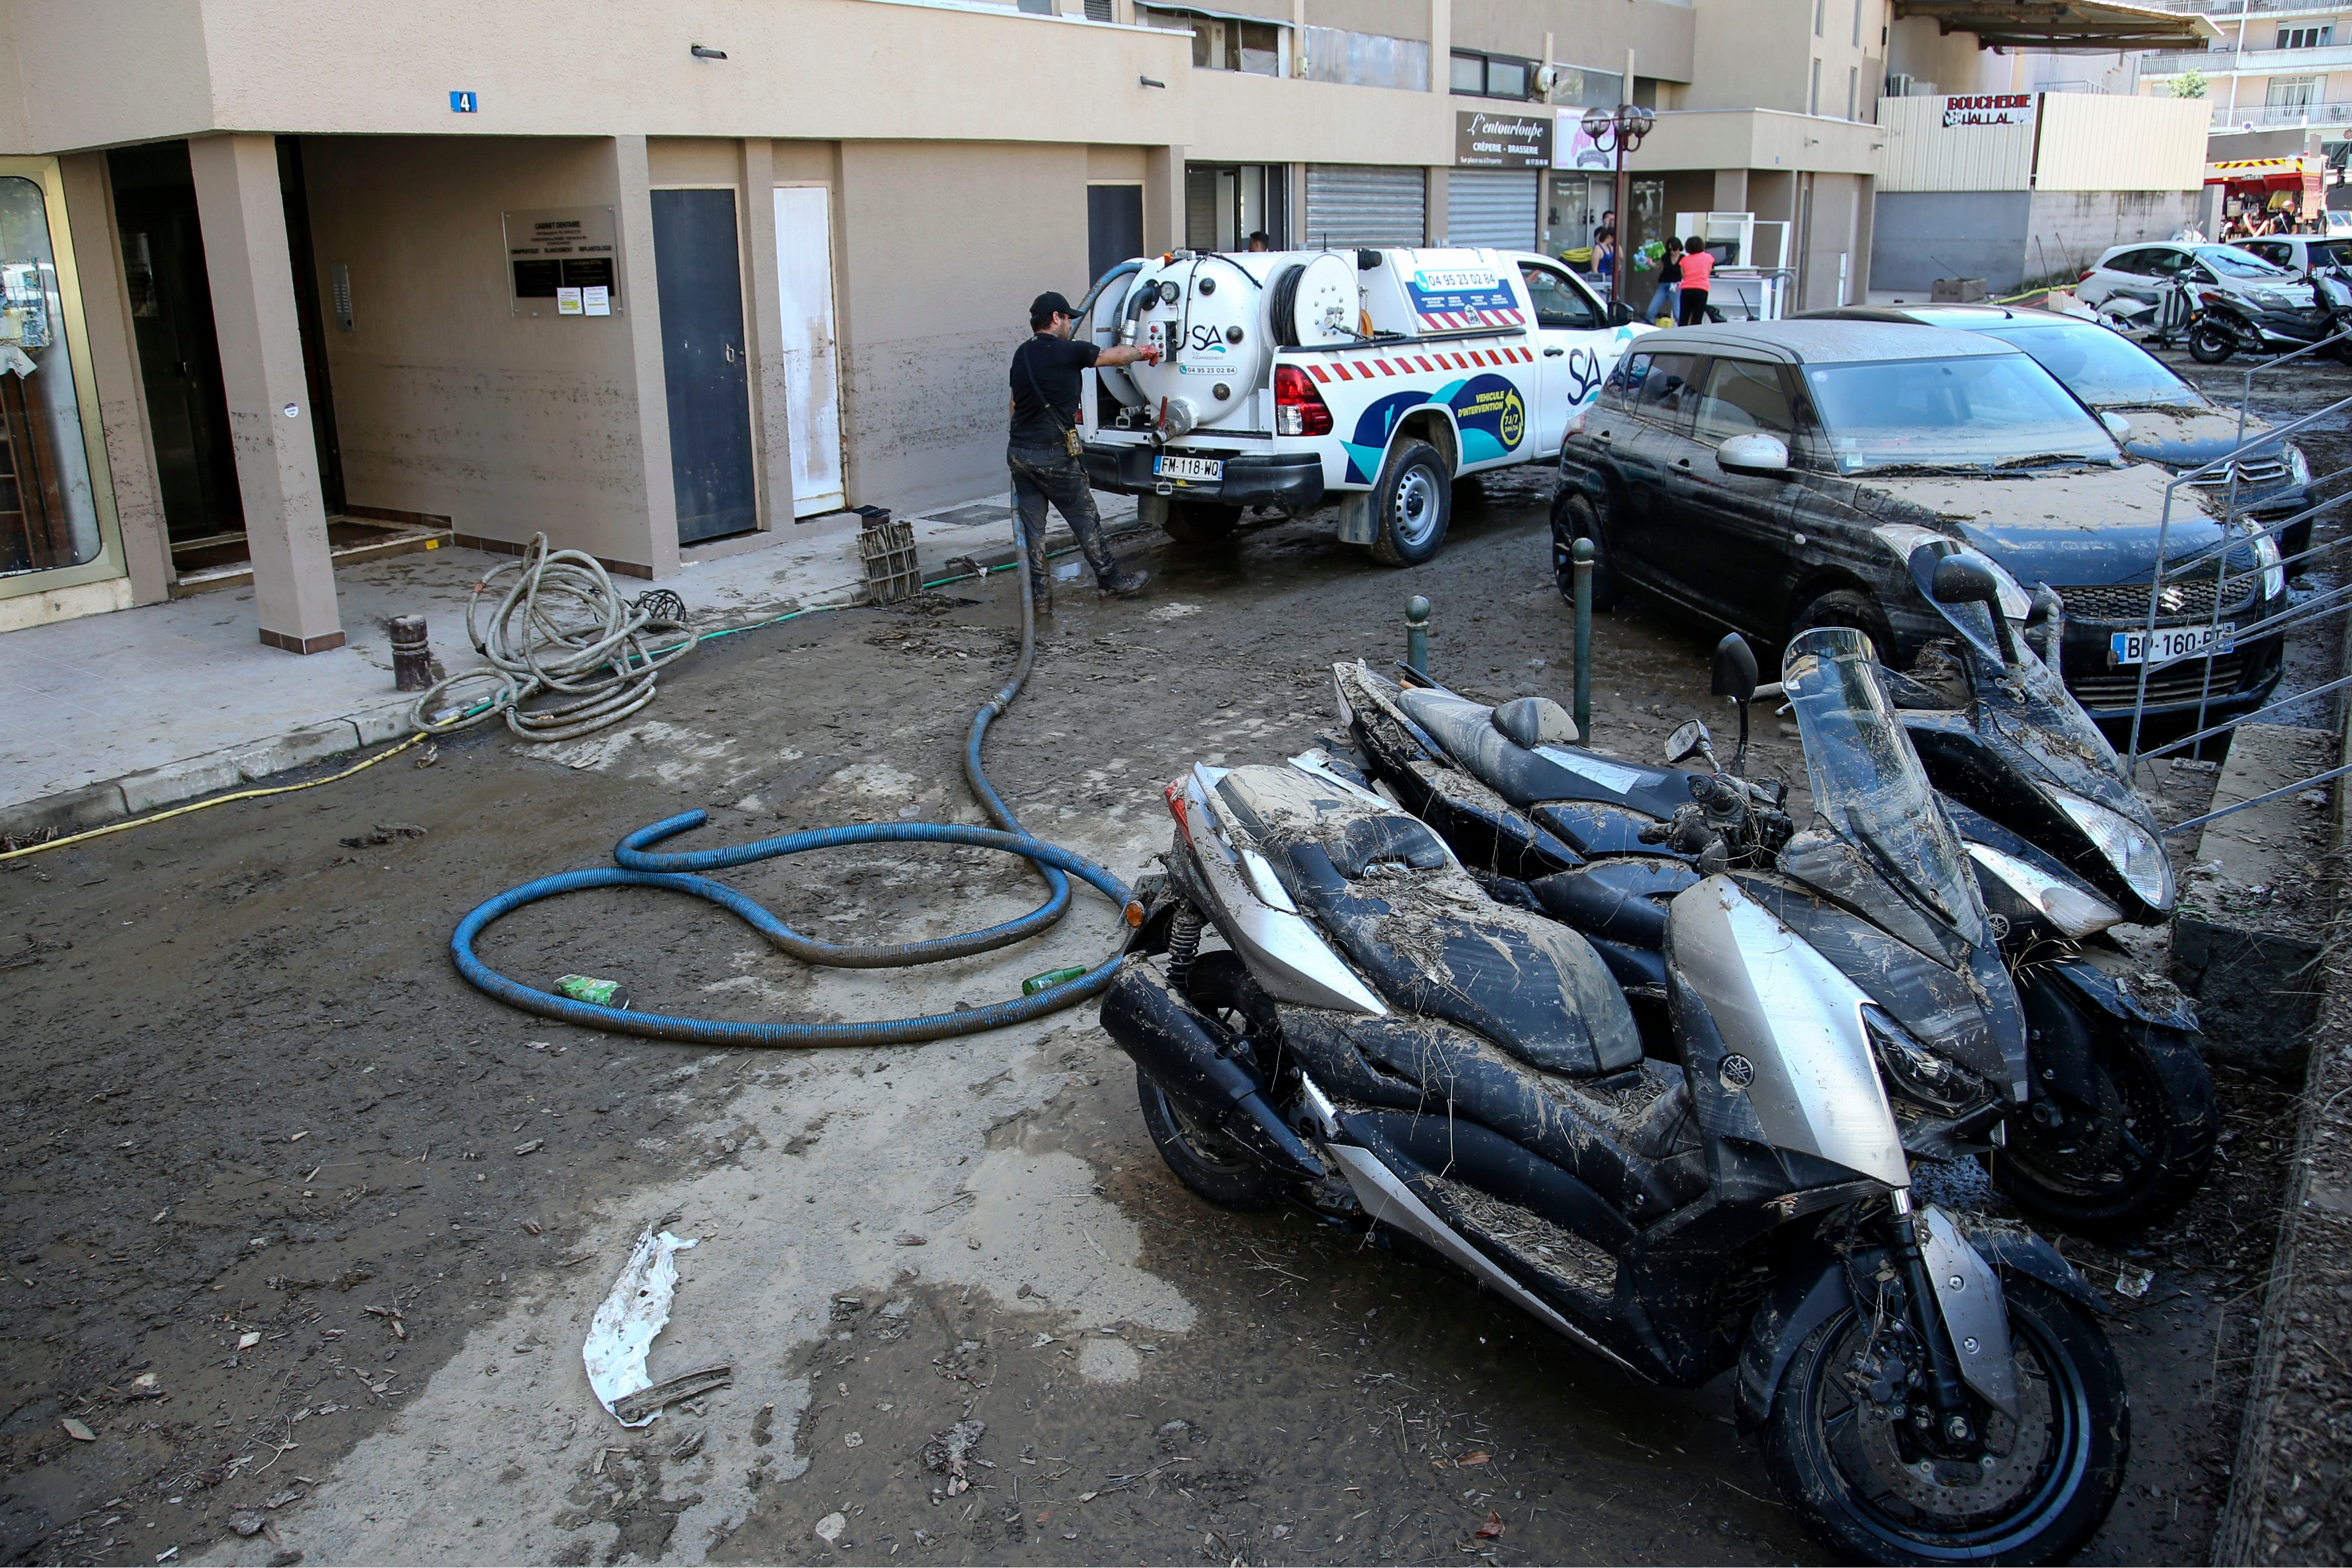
{"x":250,"y":1102}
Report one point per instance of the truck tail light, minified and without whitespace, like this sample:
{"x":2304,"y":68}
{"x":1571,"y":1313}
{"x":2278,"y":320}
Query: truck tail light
{"x":1298,"y":409}
{"x":2087,"y":276}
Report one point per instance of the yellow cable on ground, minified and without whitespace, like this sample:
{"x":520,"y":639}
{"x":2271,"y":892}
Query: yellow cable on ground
{"x":201,"y":804}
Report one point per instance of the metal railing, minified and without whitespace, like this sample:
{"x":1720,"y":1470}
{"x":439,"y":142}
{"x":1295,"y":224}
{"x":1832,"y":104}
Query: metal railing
{"x":2214,"y":561}
{"x":2265,"y":117}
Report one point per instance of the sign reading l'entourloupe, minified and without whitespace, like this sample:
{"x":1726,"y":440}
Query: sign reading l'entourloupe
{"x":1484,"y":140}
{"x":1990,"y":109}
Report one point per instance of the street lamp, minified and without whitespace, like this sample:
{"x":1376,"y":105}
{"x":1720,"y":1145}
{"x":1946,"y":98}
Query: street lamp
{"x":1619,"y":131}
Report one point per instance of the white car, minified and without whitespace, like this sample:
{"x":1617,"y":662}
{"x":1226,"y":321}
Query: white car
{"x":2139,"y":271}
{"x":2299,"y":253}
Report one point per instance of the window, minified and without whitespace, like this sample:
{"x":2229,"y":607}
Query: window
{"x":1813,"y":93}
{"x":2305,"y":38}
{"x":2294,"y":93}
{"x":2274,"y":251}
{"x":1037,"y":7}
{"x":49,"y":516}
{"x":2102,"y":369}
{"x":1657,"y":386}
{"x":1491,"y":76}
{"x":1853,"y":89}
{"x":1985,"y":409}
{"x":1222,"y":44}
{"x":1367,"y":59}
{"x":1578,"y":87}
{"x":1857,"y":23}
{"x":1820,"y":16}
{"x":1744,"y":398}
{"x":1559,"y":304}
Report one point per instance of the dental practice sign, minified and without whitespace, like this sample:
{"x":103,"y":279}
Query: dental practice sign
{"x":1990,"y":109}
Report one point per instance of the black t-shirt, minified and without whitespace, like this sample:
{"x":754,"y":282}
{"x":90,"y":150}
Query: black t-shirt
{"x":1054,"y":363}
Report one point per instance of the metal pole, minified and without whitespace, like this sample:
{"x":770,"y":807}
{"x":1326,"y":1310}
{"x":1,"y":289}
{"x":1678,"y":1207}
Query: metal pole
{"x":1580,"y":553}
{"x":1617,"y":267}
{"x":1416,"y":633}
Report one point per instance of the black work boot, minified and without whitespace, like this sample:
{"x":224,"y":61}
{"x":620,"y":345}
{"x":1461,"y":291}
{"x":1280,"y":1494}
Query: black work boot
{"x":1125,"y":584}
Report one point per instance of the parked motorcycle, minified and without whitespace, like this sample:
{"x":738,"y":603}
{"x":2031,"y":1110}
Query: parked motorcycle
{"x":2227,"y":325}
{"x":2157,"y":323}
{"x":1381,"y":1042}
{"x":2119,"y":1126}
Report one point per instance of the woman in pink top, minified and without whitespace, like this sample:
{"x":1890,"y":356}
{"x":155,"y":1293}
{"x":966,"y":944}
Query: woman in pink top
{"x":1698,"y":270}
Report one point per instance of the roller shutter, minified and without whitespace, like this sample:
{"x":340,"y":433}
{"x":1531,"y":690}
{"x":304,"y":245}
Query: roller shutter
{"x":1492,"y":207}
{"x":1359,"y":203}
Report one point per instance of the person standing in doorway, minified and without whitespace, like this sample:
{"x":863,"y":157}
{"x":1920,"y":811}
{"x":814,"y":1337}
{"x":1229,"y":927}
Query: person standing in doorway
{"x":1666,"y":297}
{"x":1045,"y":453}
{"x":1258,"y":240}
{"x":1698,"y":271}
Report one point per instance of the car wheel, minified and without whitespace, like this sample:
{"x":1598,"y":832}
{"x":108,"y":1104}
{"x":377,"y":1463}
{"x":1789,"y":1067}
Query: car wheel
{"x":1414,"y":502}
{"x":1574,"y":517}
{"x":1198,"y":522}
{"x":1848,"y":607}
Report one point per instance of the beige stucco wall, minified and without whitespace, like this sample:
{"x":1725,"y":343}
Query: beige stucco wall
{"x":95,"y":72}
{"x":1397,"y":18}
{"x":445,"y":402}
{"x":1595,"y":36}
{"x":1264,"y":119}
{"x":943,"y":246}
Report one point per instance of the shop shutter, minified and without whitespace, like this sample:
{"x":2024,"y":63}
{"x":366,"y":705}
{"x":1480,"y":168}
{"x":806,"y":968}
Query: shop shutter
{"x":1492,"y":207}
{"x":1358,"y":203}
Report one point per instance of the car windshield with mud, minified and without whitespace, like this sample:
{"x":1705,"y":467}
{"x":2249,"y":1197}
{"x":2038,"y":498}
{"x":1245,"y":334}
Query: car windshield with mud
{"x":1752,"y":472}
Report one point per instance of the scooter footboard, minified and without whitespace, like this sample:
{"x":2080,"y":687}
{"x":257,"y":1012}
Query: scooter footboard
{"x":1172,"y":1045}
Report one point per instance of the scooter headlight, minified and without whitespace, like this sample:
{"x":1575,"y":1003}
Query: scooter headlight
{"x":1918,"y":1074}
{"x":2074,"y":910}
{"x":2129,"y":848}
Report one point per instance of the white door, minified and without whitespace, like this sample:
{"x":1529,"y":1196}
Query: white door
{"x":812,"y":355}
{"x":1575,"y":347}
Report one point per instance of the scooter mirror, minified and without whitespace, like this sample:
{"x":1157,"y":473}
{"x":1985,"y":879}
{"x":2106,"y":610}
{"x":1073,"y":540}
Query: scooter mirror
{"x":1689,"y":740}
{"x":1961,"y":581}
{"x":1735,"y":669}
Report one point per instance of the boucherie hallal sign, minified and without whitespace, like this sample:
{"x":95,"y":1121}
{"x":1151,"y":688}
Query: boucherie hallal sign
{"x":1487,"y":141}
{"x":1990,"y":109}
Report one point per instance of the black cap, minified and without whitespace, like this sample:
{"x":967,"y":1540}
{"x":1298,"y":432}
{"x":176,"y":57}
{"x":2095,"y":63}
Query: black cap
{"x":1050,"y":303}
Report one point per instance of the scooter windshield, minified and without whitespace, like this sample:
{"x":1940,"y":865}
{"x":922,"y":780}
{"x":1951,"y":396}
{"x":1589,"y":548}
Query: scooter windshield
{"x":2025,"y":703}
{"x":1867,"y":781}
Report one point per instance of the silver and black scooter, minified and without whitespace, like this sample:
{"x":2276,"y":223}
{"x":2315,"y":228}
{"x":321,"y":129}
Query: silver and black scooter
{"x":1381,"y":1042}
{"x":2119,"y":1126}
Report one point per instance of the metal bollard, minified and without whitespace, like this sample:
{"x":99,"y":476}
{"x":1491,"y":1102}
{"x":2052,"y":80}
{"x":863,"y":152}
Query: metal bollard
{"x":1416,"y":633}
{"x":412,"y":654}
{"x":1581,"y":554}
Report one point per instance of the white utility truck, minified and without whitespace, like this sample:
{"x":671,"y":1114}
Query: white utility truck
{"x":1371,"y":377}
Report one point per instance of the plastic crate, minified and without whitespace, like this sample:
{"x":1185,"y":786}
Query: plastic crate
{"x":887,"y":549}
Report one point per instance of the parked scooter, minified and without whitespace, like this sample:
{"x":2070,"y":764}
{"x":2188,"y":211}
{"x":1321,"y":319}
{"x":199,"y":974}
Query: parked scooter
{"x":2160,"y":322}
{"x":2227,"y":325}
{"x":2120,"y":1125}
{"x":1385,"y":1045}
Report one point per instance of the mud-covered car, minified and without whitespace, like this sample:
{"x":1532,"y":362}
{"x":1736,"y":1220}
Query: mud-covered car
{"x":2167,"y":421}
{"x":1774,"y":476}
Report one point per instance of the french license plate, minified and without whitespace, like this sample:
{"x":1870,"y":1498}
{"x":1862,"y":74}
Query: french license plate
{"x":2171,"y":643}
{"x":1193,"y":469}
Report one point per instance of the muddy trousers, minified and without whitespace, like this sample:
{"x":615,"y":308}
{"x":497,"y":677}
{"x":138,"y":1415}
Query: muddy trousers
{"x":1042,"y":473}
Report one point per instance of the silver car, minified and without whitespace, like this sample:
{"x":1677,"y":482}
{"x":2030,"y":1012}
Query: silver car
{"x":2140,"y":271}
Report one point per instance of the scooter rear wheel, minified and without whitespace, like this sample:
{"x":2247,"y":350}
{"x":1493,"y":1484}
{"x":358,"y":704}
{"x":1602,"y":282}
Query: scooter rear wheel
{"x":1201,"y":1159}
{"x":2209,"y":344}
{"x":1835,"y":1459}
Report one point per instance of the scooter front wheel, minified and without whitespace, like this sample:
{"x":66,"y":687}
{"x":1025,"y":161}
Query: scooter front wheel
{"x":2139,"y":1156}
{"x":2209,"y":344}
{"x":2039,"y":1487}
{"x":1202,"y":1160}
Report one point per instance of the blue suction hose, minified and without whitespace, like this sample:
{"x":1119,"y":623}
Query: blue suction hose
{"x":639,"y":867}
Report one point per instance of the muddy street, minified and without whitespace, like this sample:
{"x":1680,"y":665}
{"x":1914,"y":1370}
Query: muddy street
{"x":304,"y":1234}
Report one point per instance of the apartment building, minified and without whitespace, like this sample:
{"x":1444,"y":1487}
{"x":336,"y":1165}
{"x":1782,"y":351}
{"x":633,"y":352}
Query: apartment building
{"x":287,"y":281}
{"x":2273,"y":65}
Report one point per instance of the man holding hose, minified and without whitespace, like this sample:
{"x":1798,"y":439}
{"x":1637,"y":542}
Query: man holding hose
{"x":1045,"y":454}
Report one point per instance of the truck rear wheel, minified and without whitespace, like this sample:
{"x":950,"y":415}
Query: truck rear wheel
{"x":1198,"y":522}
{"x":1413,"y":503}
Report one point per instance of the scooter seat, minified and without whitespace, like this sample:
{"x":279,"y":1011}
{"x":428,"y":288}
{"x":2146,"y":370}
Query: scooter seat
{"x":1528,"y":777}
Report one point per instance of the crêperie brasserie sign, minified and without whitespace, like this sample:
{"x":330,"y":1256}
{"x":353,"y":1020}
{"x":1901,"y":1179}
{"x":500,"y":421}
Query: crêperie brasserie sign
{"x":1485,"y":140}
{"x":1990,"y":109}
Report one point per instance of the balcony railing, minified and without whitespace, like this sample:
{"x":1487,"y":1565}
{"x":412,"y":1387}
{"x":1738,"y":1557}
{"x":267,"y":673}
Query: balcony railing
{"x":2257,"y":62}
{"x":2220,"y":9}
{"x":2265,"y":117}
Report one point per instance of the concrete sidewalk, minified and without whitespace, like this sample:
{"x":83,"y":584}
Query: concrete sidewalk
{"x":118,"y":714}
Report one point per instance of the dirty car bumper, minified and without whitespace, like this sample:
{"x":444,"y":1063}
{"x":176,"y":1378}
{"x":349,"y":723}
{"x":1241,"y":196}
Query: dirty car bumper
{"x":1278,"y":478}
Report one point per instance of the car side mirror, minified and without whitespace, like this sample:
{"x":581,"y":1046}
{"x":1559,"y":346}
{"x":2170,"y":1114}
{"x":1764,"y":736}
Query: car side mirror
{"x":1689,"y":740}
{"x":1620,"y":314}
{"x":2117,"y":426}
{"x":1753,"y":453}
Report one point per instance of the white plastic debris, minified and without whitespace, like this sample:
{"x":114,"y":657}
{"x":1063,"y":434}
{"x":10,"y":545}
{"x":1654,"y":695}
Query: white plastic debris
{"x":626,"y":1321}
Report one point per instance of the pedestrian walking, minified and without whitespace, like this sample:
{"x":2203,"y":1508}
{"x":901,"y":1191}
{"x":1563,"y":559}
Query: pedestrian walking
{"x":1045,"y":453}
{"x":1698,"y":271}
{"x":1665,"y":299}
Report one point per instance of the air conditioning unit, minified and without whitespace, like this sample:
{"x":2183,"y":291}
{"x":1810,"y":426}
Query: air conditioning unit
{"x":1898,"y":84}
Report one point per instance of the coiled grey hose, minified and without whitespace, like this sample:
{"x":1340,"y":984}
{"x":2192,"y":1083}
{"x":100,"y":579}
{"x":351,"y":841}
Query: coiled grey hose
{"x":562,"y":626}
